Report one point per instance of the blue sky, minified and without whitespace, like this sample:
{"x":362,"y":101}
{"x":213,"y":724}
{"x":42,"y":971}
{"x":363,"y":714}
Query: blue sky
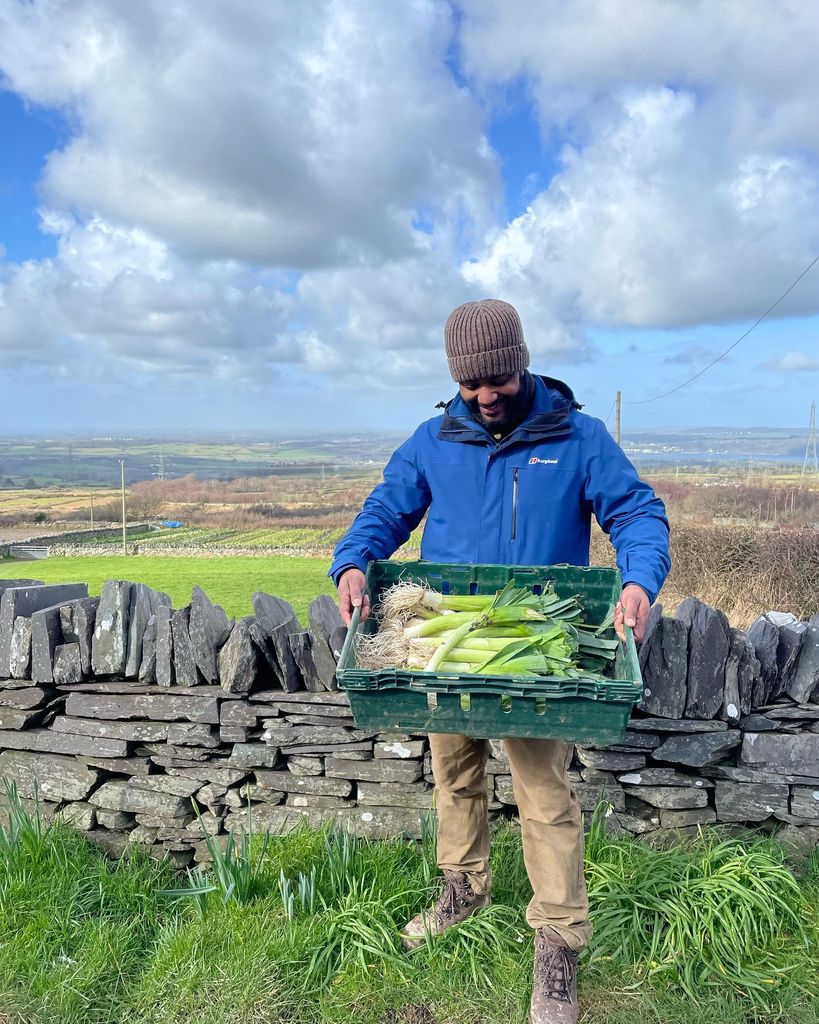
{"x":262,"y":217}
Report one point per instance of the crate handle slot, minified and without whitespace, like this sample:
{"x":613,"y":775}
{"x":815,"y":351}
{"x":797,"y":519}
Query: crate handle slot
{"x":466,"y":702}
{"x":506,"y":703}
{"x":432,"y":701}
{"x":540,"y":705}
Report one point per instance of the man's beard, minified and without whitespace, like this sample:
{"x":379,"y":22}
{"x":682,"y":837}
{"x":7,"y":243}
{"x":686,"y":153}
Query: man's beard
{"x":514,"y":410}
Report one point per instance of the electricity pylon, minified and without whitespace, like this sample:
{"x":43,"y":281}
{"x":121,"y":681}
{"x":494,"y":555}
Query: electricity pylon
{"x":810,"y":447}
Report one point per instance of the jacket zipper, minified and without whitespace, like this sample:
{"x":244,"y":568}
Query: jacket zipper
{"x":514,"y":503}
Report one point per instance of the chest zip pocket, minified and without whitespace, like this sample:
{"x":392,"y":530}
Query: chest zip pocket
{"x":514,"y":502}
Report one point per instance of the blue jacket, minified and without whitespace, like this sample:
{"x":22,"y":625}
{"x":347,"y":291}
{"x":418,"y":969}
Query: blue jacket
{"x":524,"y":500}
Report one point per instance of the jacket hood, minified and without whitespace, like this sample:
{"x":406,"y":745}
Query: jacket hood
{"x":549,"y":416}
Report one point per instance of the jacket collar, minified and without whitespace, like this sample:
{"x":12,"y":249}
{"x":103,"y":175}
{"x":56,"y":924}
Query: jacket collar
{"x":549,"y":417}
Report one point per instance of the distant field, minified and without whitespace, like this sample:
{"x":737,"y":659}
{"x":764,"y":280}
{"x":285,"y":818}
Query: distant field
{"x":228,"y":581}
{"x":308,"y":538}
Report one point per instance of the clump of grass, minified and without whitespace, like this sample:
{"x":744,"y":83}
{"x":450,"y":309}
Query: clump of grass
{"x":713,"y":914}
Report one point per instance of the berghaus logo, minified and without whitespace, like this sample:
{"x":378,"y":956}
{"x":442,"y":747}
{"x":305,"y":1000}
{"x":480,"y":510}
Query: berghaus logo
{"x":535,"y":461}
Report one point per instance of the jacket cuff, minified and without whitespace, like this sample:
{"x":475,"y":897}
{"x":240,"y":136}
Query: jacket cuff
{"x":642,"y":581}
{"x":336,"y":571}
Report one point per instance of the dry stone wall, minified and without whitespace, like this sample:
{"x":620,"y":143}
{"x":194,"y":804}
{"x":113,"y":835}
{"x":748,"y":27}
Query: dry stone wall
{"x":141,"y":723}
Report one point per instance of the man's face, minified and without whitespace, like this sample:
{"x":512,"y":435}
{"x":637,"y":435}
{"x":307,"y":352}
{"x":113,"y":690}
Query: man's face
{"x":493,"y":401}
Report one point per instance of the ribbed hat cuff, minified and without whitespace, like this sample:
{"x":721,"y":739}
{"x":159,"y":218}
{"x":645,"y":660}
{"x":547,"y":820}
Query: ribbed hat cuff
{"x":491,"y":363}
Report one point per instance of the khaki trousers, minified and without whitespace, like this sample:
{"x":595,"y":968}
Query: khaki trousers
{"x":550,"y":819}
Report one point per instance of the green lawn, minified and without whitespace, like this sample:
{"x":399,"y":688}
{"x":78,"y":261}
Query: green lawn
{"x":228,"y":581}
{"x":716,"y":931}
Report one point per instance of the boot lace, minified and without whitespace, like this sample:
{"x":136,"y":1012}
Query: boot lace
{"x":457,"y":895}
{"x":555,"y":970}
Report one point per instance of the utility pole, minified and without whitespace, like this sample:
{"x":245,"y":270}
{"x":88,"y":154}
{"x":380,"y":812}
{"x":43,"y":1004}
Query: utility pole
{"x":92,"y":509}
{"x":810,"y":447}
{"x":122,"y":472}
{"x":617,"y":404}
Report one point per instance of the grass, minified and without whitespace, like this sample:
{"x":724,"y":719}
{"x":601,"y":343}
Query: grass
{"x":84,"y":940}
{"x":230,"y":582}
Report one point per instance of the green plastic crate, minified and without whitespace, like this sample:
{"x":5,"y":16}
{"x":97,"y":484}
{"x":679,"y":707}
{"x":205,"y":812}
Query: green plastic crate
{"x":583,"y":710}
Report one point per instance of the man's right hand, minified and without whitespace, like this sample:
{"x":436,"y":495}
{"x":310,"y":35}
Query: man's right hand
{"x":352,"y":594}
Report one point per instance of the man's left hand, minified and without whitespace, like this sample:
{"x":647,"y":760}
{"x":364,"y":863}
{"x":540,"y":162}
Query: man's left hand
{"x":632,"y":610}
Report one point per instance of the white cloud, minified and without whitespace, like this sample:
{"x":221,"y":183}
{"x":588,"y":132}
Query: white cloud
{"x":688,"y":182}
{"x":792,"y":362}
{"x":296,"y":135}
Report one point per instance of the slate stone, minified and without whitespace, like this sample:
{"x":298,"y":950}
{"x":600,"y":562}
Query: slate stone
{"x":46,"y":741}
{"x":744,"y":801}
{"x":590,"y":794}
{"x":372,"y":823}
{"x":117,"y":820}
{"x":339,"y":712}
{"x":269,"y":671}
{"x":46,"y":634}
{"x":741,"y":670}
{"x":278,"y":699}
{"x":80,"y":815}
{"x":664,"y":659}
{"x":26,"y":698}
{"x":119,"y":795}
{"x":698,"y":750}
{"x":655,"y":616}
{"x":757,"y":723}
{"x":287,"y":782}
{"x":58,"y":778}
{"x":785,"y":711}
{"x":671,"y":797}
{"x":402,"y":750}
{"x":139,"y":732}
{"x":277,"y":621}
{"x":239,"y":659}
{"x":321,"y":720}
{"x":663,"y":777}
{"x":147,"y":666}
{"x":300,"y":765}
{"x":639,"y":826}
{"x":681,"y":725}
{"x":158,"y":707}
{"x":306,"y":800}
{"x":139,"y":611}
{"x":211,"y":773}
{"x":240,"y":712}
{"x":799,"y":842}
{"x":9,"y":584}
{"x":233,"y":734}
{"x":209,"y":628}
{"x":186,"y":670}
{"x":83,"y":616}
{"x":20,"y":650}
{"x":355,"y":751}
{"x":120,"y":765}
{"x":607,"y":761}
{"x":324,"y":620}
{"x":281,"y":734}
{"x":708,"y":645}
{"x":174,"y":785}
{"x":797,"y":754}
{"x":19,"y":719}
{"x":393,"y":794}
{"x":686,"y":818}
{"x":383,"y":770}
{"x":787,"y":656}
{"x":110,"y":644}
{"x":192,"y":734}
{"x":165,"y":675}
{"x":763,"y":636}
{"x":67,"y":664}
{"x":741,"y":773}
{"x":337,"y":641}
{"x":24,"y":601}
{"x":304,"y":654}
{"x":805,"y":678}
{"x":805,"y":802}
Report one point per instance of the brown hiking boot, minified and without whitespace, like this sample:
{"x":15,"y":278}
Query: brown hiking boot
{"x":457,"y":902}
{"x":554,"y":994}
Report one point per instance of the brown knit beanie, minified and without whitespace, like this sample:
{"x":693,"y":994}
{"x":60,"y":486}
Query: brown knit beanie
{"x":484,"y":339}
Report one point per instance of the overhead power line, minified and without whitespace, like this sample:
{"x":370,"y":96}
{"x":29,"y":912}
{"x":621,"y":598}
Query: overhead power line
{"x":742,"y":337}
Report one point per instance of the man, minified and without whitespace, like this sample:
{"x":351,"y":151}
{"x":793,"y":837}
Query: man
{"x":510,"y":473}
